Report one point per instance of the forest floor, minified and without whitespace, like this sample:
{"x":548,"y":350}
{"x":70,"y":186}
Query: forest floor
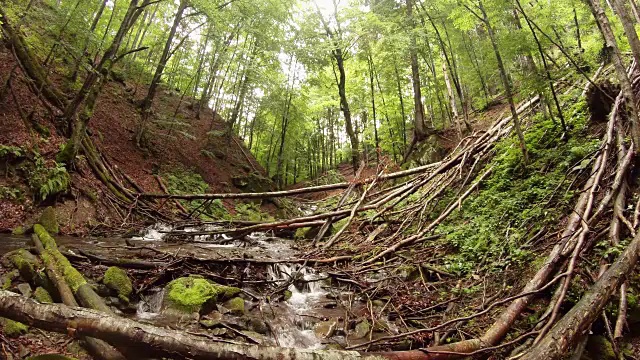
{"x":185,"y":148}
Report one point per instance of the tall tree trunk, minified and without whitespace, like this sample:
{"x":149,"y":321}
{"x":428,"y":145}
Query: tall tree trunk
{"x":243,"y":89}
{"x":145,"y":106}
{"x":625,"y":82}
{"x":403,"y":128}
{"x":96,"y":18}
{"x":546,"y":69}
{"x":629,"y":28}
{"x":338,"y":56}
{"x":419,"y":128}
{"x":92,"y":86}
{"x":505,"y":82}
{"x":373,"y":108}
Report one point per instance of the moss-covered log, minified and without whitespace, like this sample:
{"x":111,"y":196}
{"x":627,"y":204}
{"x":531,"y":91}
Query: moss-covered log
{"x":98,"y":348}
{"x":31,"y":65}
{"x":155,"y":341}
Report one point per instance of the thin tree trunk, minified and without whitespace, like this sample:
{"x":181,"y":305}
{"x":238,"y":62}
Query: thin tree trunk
{"x":92,"y":28}
{"x":419,"y":129}
{"x":92,"y":86}
{"x":505,"y":82}
{"x":629,"y":28}
{"x":373,"y":109}
{"x":145,"y":106}
{"x":625,"y":83}
{"x":546,"y":69}
{"x":402,"y":113}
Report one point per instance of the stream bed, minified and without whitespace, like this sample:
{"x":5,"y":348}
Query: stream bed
{"x":285,"y":304}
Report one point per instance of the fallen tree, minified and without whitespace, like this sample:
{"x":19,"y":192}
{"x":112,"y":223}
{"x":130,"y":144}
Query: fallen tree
{"x":152,"y":340}
{"x":578,"y":320}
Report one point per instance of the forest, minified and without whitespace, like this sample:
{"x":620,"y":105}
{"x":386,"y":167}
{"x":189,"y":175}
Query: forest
{"x":319,"y":179}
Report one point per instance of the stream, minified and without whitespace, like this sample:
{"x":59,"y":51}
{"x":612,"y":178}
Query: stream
{"x":313,"y":314}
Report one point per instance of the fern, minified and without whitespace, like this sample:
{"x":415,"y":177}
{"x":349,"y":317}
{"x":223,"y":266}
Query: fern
{"x":46,"y":180}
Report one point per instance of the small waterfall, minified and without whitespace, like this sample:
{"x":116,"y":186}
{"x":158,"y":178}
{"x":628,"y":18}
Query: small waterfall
{"x":149,"y":308}
{"x":155,"y":232}
{"x":306,"y":290}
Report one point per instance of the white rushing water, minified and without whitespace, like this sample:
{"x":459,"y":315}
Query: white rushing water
{"x":306,"y":289}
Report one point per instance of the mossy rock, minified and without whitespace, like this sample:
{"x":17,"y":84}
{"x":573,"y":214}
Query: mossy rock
{"x":49,"y":221}
{"x":42,"y":295}
{"x":192,"y":294}
{"x":7,"y":279}
{"x":27,"y":264}
{"x":362,"y":329}
{"x":235,"y":305}
{"x":19,"y":230}
{"x":287,"y":295}
{"x":117,"y":280}
{"x":252,"y":183}
{"x":13,"y":328}
{"x":599,"y":348}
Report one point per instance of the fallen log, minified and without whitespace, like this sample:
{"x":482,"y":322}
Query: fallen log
{"x":81,"y":289}
{"x":284,"y":193}
{"x":578,"y":320}
{"x":153,"y":340}
{"x":98,"y":348}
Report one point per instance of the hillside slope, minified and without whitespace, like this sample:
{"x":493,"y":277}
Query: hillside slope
{"x":186,"y":148}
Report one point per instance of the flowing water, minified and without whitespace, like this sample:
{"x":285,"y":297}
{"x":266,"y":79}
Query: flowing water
{"x":292,"y":323}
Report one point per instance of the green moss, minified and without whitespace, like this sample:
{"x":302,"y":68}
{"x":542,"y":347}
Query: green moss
{"x":13,"y":328}
{"x":301,"y":232}
{"x":26,"y":263}
{"x":600,"y":348}
{"x":338,"y":225}
{"x":235,"y":305}
{"x":251,"y":212}
{"x":117,"y":280}
{"x":18,"y":231}
{"x":52,"y":255}
{"x":287,"y":295}
{"x":42,"y":296}
{"x":190,"y":294}
{"x":49,"y":221}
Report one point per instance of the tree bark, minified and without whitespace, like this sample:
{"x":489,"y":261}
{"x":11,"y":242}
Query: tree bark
{"x":152,"y":340}
{"x":92,"y":87}
{"x":579,"y":319}
{"x":338,"y":56}
{"x":505,"y":82}
{"x":162,"y":63}
{"x":625,"y":82}
{"x":629,"y":28}
{"x":419,"y":128}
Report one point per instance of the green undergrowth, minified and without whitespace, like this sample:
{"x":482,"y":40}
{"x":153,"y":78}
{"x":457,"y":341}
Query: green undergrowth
{"x":43,"y":178}
{"x":251,"y":212}
{"x":494,"y":225}
{"x":182,"y":181}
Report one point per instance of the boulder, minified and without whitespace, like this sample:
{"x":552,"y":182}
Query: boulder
{"x":42,"y":296}
{"x":13,"y":328}
{"x":252,"y":182}
{"x":118,"y":281}
{"x":362,"y":329}
{"x":235,"y":305}
{"x":24,"y":289}
{"x":326,"y":329}
{"x":49,"y":221}
{"x":196,"y":295}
